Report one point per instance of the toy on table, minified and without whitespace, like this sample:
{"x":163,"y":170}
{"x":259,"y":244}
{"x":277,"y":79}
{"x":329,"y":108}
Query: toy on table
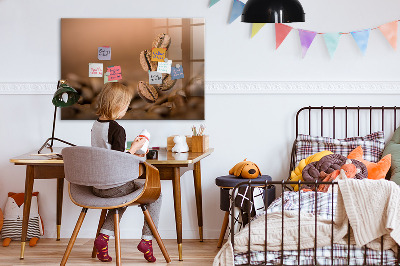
{"x":13,"y":215}
{"x":180,"y":144}
{"x":245,"y":169}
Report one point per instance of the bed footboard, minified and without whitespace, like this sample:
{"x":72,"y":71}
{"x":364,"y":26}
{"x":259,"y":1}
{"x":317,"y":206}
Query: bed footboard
{"x":312,"y":259}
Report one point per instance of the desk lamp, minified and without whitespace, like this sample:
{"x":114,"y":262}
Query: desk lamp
{"x":64,"y":96}
{"x":273,"y":11}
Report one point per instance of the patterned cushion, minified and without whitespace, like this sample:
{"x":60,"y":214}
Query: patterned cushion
{"x":372,"y":144}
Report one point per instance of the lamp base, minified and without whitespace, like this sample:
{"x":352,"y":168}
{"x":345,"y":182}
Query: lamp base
{"x":50,"y":146}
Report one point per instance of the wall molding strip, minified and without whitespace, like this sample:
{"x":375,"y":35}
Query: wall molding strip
{"x":247,"y":87}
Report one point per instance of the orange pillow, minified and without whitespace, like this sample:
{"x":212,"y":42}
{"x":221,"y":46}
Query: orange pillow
{"x":375,"y":170}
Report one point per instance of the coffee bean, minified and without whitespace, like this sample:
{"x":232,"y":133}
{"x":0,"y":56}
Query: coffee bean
{"x":147,"y":92}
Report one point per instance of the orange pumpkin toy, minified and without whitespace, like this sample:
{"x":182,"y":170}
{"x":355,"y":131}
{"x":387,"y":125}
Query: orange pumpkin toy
{"x":245,"y":169}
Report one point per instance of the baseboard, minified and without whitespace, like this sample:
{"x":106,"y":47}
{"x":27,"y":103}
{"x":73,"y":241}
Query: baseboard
{"x":247,"y":87}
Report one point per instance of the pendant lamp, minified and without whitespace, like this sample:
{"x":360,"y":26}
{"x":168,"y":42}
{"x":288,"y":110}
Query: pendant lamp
{"x":64,"y":96}
{"x":273,"y":11}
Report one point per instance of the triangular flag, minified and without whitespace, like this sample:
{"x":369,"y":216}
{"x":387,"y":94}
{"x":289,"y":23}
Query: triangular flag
{"x":361,"y":37}
{"x":332,"y":41}
{"x":256,"y":28}
{"x":237,"y":9}
{"x":281,"y":31}
{"x":390,"y":32}
{"x":306,"y":39}
{"x":213,"y":2}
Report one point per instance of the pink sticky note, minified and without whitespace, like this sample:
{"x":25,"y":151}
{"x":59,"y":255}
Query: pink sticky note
{"x":115,"y":73}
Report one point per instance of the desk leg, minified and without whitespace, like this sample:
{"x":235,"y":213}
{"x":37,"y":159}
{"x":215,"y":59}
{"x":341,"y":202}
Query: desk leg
{"x":199,"y":204}
{"x":27,"y":206}
{"x":178,"y":208}
{"x":60,"y":190}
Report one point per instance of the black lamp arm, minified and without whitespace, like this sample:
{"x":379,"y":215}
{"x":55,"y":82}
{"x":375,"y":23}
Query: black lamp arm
{"x":51,"y":147}
{"x":46,"y":143}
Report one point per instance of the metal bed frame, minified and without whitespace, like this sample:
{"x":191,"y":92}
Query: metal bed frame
{"x":284,"y":183}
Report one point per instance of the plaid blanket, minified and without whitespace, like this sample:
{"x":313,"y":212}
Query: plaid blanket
{"x":324,"y":257}
{"x":323,"y":205}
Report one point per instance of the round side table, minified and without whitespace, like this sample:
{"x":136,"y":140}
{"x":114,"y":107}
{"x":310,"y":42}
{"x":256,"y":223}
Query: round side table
{"x":228,"y":182}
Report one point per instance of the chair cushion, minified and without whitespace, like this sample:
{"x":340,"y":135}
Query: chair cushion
{"x":83,"y":196}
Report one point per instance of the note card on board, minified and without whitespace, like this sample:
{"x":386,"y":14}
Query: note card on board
{"x":104,"y":53}
{"x":155,"y":77}
{"x":158,"y":54}
{"x":106,"y":78}
{"x":95,"y":70}
{"x":177,"y":72}
{"x":164,"y":67}
{"x":115,"y":73}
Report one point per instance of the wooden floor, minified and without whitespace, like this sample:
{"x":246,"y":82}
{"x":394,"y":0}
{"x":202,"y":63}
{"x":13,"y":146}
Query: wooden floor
{"x":50,"y":252}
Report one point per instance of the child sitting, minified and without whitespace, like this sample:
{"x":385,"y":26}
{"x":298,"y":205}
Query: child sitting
{"x":113,"y":102}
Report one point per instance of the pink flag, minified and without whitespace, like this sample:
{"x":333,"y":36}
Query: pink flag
{"x":281,"y":31}
{"x":389,"y":30}
{"x":306,"y":39}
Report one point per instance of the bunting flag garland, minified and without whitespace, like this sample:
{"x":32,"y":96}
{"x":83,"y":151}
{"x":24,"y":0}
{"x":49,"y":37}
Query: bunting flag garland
{"x":213,"y":2}
{"x":361,"y":37}
{"x":237,"y":9}
{"x":332,"y":41}
{"x":256,"y":28}
{"x":389,"y":30}
{"x":306,"y":39}
{"x":281,"y":31}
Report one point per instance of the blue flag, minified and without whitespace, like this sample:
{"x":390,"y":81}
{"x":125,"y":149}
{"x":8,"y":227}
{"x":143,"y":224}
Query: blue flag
{"x":237,"y":9}
{"x":361,"y":38}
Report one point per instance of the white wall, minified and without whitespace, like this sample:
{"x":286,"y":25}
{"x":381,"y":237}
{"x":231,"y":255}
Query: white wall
{"x":257,"y":126}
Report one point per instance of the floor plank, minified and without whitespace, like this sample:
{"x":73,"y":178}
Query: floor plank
{"x":50,"y":252}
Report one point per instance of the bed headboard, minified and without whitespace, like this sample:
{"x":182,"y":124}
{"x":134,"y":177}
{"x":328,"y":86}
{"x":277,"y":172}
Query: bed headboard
{"x":344,"y":121}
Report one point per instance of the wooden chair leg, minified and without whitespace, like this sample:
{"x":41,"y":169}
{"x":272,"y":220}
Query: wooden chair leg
{"x":154,"y":230}
{"x":101,"y":222}
{"x":117,"y":238}
{"x":223,"y":229}
{"x":73,"y":237}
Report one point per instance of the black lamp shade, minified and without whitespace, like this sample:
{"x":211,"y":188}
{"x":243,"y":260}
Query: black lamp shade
{"x":273,"y":11}
{"x":65,"y":96}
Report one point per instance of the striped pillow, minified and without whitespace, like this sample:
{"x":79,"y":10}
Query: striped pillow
{"x":372,"y":145}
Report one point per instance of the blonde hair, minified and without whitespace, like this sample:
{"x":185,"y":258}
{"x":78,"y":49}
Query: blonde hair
{"x":112,"y":98}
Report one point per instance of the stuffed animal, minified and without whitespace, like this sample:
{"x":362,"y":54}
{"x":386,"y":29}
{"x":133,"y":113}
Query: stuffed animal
{"x":180,"y":144}
{"x":13,"y":215}
{"x":1,"y":220}
{"x":245,"y":169}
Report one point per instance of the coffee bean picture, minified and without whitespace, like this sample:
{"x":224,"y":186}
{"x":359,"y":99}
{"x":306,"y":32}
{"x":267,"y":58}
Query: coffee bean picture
{"x":131,"y":42}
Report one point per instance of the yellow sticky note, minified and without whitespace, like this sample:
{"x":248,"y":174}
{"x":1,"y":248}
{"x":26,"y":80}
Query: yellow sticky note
{"x":158,"y":54}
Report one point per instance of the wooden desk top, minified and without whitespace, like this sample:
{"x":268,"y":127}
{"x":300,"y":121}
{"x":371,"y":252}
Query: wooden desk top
{"x":164,"y":157}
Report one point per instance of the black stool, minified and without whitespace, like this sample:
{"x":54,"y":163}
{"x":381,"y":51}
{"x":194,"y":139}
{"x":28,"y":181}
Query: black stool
{"x":226,"y":183}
